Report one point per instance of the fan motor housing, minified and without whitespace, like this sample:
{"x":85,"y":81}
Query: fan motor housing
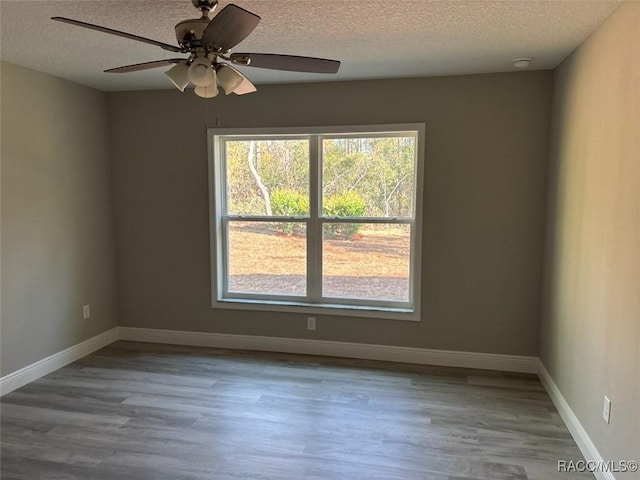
{"x":205,"y":5}
{"x":189,"y":30}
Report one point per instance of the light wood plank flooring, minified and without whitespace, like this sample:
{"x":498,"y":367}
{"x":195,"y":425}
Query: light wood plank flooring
{"x":140,"y":411}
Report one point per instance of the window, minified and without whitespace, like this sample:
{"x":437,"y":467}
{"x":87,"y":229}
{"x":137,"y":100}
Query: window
{"x":310,"y":219}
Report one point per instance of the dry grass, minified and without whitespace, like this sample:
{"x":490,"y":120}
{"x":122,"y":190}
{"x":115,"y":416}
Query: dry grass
{"x":374,"y":253}
{"x":374,"y":265}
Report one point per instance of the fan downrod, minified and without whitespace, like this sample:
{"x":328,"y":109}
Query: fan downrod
{"x":205,"y":6}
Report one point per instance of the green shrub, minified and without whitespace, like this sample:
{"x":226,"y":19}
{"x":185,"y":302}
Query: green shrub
{"x":289,"y":203}
{"x":348,"y":204}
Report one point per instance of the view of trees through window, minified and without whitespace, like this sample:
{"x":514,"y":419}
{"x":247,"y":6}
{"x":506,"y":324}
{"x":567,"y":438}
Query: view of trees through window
{"x":367,"y":180}
{"x":372,"y":177}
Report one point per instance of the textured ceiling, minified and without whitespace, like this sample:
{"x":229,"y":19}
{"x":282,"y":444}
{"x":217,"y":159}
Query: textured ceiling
{"x":373,"y":39}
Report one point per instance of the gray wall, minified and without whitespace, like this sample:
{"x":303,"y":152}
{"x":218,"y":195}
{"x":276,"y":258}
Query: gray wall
{"x":590,"y":340}
{"x":485,"y":185}
{"x":57,"y":222}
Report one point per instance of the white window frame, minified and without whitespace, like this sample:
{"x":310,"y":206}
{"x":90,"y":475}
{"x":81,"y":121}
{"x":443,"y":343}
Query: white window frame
{"x":311,"y":304}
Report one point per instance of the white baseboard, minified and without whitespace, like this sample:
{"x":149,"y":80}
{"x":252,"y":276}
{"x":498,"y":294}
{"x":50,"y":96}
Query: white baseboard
{"x":32,"y":372}
{"x":576,"y":429}
{"x":449,"y":358}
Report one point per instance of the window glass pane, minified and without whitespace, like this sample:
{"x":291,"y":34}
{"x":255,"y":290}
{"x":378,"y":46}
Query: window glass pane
{"x":373,"y":177}
{"x":267,"y":177}
{"x":267,"y":258}
{"x":366,"y":261}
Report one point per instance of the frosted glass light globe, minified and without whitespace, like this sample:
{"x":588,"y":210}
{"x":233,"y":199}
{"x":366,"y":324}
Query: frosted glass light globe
{"x":200,"y":72}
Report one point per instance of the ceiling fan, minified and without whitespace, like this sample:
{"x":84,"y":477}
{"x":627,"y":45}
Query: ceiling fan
{"x":208,"y":43}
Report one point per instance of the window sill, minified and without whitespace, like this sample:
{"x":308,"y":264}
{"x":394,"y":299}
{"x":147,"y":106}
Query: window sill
{"x":337,"y":310}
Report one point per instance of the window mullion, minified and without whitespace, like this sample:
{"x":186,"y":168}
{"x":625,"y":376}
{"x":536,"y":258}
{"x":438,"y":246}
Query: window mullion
{"x":314,"y":232}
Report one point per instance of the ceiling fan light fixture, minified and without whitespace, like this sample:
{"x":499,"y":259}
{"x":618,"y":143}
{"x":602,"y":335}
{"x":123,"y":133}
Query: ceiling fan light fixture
{"x":209,"y":91}
{"x":179,"y":75}
{"x":229,"y":78}
{"x":208,"y":40}
{"x":201,"y":73}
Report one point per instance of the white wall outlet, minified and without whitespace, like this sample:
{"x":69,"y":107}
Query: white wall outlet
{"x":311,"y":323}
{"x":86,"y":312}
{"x":606,"y":410}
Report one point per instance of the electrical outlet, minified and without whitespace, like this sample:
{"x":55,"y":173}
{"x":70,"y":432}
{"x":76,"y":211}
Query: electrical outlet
{"x":311,"y":323}
{"x":606,"y":410}
{"x":86,"y":312}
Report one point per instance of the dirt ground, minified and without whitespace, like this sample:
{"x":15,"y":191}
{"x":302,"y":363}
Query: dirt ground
{"x":375,"y":264}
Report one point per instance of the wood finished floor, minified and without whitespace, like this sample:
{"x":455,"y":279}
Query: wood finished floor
{"x":140,"y":411}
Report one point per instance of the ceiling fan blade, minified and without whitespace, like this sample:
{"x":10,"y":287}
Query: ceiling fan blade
{"x":146,"y":65}
{"x":291,"y":63}
{"x":165,"y":46}
{"x":245,"y":87}
{"x":229,"y":27}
